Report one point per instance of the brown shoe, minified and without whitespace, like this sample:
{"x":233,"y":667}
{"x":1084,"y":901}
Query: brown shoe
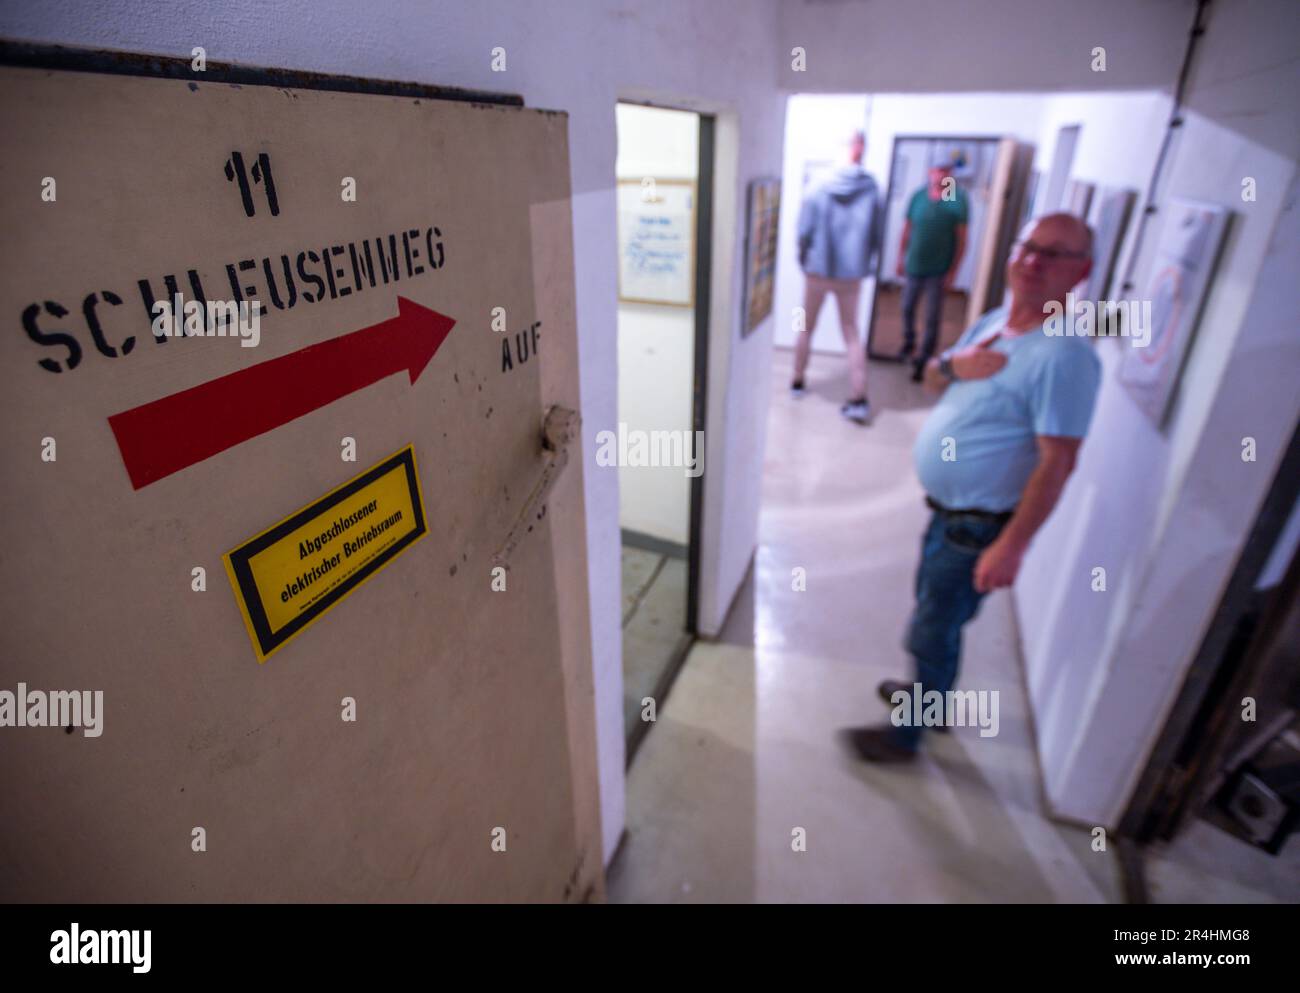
{"x":887,"y":689}
{"x":873,"y":745}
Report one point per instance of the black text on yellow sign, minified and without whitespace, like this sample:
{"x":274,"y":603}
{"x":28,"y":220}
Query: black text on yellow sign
{"x":294,"y":571}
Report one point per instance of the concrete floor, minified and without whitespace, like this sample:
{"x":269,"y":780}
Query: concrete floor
{"x":1206,"y":865}
{"x":743,"y":754}
{"x":654,"y":624}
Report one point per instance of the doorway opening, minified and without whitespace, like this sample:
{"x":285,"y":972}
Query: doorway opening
{"x":664,"y":200}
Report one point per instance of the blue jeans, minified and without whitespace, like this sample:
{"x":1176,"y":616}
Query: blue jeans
{"x":932,"y":287}
{"x":945,"y":600}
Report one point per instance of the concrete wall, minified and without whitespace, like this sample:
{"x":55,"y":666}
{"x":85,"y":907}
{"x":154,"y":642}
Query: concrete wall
{"x":1166,"y":512}
{"x":656,"y":342}
{"x":940,"y":46}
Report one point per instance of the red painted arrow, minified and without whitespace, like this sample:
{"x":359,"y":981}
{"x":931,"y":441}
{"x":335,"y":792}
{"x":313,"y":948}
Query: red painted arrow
{"x":170,"y":434}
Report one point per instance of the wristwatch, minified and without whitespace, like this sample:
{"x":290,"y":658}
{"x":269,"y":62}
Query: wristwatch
{"x":945,"y":366}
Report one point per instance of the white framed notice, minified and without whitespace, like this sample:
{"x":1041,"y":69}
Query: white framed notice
{"x":656,"y":241}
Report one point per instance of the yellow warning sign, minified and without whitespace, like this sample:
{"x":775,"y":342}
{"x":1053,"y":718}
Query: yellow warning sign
{"x":294,"y":571}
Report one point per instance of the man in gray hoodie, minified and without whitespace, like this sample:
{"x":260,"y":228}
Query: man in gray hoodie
{"x":840,"y":225}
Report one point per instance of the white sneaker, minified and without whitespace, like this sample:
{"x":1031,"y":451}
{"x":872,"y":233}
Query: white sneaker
{"x":859,"y":412}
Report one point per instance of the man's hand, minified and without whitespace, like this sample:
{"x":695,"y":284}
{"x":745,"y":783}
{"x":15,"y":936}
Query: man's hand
{"x":949,"y":279}
{"x":997,"y":565}
{"x":898,"y":266}
{"x":978,"y":361}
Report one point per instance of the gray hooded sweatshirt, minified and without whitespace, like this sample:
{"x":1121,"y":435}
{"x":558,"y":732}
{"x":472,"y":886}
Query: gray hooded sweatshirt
{"x":840,"y":226}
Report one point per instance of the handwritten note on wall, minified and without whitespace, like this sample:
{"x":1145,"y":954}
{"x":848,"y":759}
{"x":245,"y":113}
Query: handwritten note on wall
{"x":656,"y":241}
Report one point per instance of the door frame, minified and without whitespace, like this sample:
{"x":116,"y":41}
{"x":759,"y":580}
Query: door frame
{"x":703,"y":260}
{"x":702,"y":306}
{"x":700,"y":374}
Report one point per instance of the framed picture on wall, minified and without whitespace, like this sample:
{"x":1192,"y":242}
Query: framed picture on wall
{"x":656,"y":241}
{"x":1031,"y":193}
{"x":763,"y":210}
{"x":1078,"y":198}
{"x":1180,"y":274}
{"x":1108,"y":219}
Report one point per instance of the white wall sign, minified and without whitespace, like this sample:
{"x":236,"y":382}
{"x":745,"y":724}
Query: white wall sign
{"x":656,"y":241}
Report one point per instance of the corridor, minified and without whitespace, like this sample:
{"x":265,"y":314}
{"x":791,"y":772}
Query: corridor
{"x":744,"y":752}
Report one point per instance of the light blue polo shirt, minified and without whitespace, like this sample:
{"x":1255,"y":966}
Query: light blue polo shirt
{"x":1048,"y":386}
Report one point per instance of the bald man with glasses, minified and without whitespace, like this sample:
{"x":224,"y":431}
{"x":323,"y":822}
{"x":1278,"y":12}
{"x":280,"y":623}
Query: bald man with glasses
{"x":993,"y":457}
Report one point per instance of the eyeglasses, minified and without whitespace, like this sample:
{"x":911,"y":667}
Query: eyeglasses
{"x":1047,"y":254}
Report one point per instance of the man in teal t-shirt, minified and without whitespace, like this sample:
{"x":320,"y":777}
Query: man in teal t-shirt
{"x":929,"y":253}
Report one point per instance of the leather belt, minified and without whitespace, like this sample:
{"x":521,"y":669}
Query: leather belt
{"x":987,"y":515}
